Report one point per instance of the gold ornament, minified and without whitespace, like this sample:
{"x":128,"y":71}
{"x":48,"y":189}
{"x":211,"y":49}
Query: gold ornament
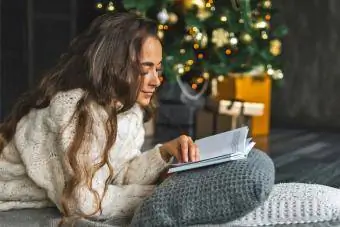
{"x":275,"y":47}
{"x":203,"y":14}
{"x":173,"y":18}
{"x":220,"y":37}
{"x":246,"y":38}
{"x":267,"y":4}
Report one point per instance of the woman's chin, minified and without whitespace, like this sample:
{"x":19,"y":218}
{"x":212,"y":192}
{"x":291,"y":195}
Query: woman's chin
{"x":144,"y":101}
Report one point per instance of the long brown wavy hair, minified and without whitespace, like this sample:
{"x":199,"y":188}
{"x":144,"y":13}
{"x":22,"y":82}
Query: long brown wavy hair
{"x":104,"y":62}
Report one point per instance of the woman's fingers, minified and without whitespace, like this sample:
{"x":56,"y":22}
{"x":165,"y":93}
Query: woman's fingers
{"x":183,"y":140}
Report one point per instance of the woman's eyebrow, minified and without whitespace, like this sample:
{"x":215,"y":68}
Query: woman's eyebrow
{"x":150,"y":64}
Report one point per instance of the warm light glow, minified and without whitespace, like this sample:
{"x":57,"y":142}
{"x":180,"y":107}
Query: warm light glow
{"x":190,"y":62}
{"x":182,"y":51}
{"x":199,"y":80}
{"x":160,"y":34}
{"x":227,"y":51}
{"x":110,"y":6}
{"x":187,"y":68}
{"x":200,"y":56}
{"x":270,"y":71}
{"x":267,"y":17}
{"x":99,"y":5}
{"x":166,"y":27}
{"x":220,"y":78}
{"x":206,"y":75}
{"x":224,"y":18}
{"x":233,"y":41}
{"x":196,"y":46}
{"x":208,"y":5}
{"x":195,"y":29}
{"x":194,"y":86}
{"x":264,"y":35}
{"x":199,"y":3}
{"x":160,"y":27}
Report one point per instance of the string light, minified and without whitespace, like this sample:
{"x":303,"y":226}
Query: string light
{"x":220,"y":78}
{"x":267,"y":17}
{"x":228,"y":52}
{"x":160,"y":34}
{"x":194,"y":86}
{"x":223,"y":18}
{"x":110,"y":7}
{"x":187,"y":68}
{"x":196,"y":46}
{"x":199,"y":80}
{"x":233,"y":41}
{"x":206,"y":75}
{"x":190,"y":62}
{"x":200,"y":56}
{"x":264,"y":35}
{"x":160,"y":27}
{"x":182,"y":51}
{"x":166,"y":27}
{"x":99,"y":5}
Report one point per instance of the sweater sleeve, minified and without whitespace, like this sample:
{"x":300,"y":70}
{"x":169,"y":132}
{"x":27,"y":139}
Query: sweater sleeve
{"x":42,"y":148}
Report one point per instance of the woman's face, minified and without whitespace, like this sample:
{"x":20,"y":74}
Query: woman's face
{"x":151,"y":60}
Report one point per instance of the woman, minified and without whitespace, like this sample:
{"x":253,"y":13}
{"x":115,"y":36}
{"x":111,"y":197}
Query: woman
{"x":75,"y":140}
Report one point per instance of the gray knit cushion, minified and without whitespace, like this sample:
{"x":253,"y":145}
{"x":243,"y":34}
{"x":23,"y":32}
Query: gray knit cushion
{"x":215,"y":194}
{"x":292,"y":203}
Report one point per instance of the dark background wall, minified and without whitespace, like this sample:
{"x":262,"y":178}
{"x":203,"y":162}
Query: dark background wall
{"x":35,"y":32}
{"x":310,"y":96}
{"x":33,"y":35}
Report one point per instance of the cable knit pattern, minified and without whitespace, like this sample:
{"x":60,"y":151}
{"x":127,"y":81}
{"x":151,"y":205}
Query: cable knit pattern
{"x":33,"y":170}
{"x":292,"y":203}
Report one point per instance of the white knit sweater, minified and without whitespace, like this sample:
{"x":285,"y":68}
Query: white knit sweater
{"x":33,"y":169}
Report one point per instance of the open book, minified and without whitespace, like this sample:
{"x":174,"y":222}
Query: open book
{"x":219,"y":148}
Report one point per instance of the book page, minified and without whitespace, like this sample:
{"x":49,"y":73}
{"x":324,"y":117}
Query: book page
{"x":223,"y":143}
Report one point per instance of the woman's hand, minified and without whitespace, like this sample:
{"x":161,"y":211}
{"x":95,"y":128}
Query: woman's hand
{"x":182,"y":148}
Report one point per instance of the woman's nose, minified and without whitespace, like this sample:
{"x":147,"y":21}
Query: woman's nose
{"x":155,"y":80}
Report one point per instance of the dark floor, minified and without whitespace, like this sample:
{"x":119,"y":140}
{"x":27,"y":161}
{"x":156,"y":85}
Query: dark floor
{"x":302,"y":156}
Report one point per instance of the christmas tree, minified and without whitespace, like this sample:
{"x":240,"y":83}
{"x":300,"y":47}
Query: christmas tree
{"x":206,"y":39}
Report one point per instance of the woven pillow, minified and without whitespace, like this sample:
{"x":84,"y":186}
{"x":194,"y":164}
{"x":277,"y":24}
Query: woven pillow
{"x":293,"y":203}
{"x":215,"y":194}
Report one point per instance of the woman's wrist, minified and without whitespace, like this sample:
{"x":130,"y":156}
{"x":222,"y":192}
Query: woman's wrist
{"x":165,"y":154}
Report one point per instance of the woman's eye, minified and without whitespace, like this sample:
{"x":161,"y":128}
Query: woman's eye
{"x":159,"y":71}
